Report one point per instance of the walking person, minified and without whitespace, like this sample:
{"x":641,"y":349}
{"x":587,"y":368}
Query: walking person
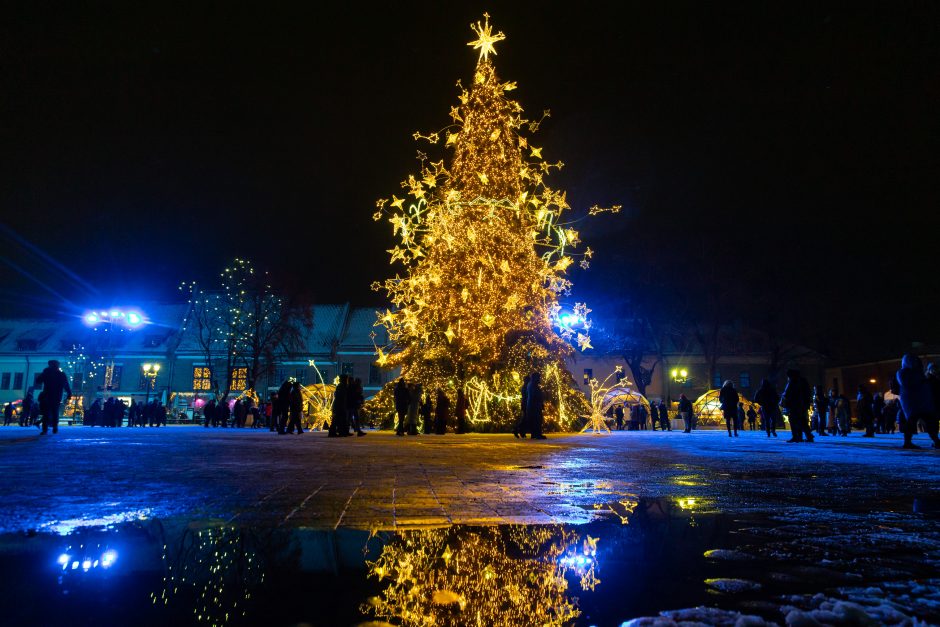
{"x":767,"y":398}
{"x":521,"y":427}
{"x":618,"y":415}
{"x":832,"y":423}
{"x":282,"y":409}
{"x":878,"y":413}
{"x":7,"y":414}
{"x":664,"y":423}
{"x":414,"y":403}
{"x":54,"y":383}
{"x":728,"y":399}
{"x":356,"y":400}
{"x":427,"y":410}
{"x":740,"y":418}
{"x":751,"y":418}
{"x":865,"y":411}
{"x":535,"y":406}
{"x":223,"y":412}
{"x":208,"y":413}
{"x":843,"y":415}
{"x":295,"y":408}
{"x":917,"y":400}
{"x":685,"y":412}
{"x":820,"y":409}
{"x":340,"y":411}
{"x":441,"y":411}
{"x":26,"y":409}
{"x":401,"y":405}
{"x":796,"y":399}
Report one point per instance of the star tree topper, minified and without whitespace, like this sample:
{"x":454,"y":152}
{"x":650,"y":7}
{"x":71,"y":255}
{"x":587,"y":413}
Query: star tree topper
{"x":486,"y":37}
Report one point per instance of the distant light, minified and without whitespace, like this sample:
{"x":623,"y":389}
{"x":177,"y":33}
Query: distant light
{"x":63,"y":559}
{"x":684,"y":373}
{"x":156,"y":367}
{"x":74,"y":565}
{"x":566,"y":320}
{"x":675,"y":373}
{"x":134,"y":319}
{"x":86,"y":564}
{"x":91,"y":318}
{"x":147,"y":367}
{"x":873,"y":381}
{"x":103,"y":314}
{"x":116,"y":314}
{"x":108,"y":558}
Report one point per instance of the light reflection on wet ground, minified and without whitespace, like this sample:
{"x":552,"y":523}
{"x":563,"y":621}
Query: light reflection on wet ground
{"x":826,"y":532}
{"x":639,"y":557}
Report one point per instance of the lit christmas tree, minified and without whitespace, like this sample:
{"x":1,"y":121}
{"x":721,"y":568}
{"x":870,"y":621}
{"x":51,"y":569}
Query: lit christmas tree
{"x":486,"y":255}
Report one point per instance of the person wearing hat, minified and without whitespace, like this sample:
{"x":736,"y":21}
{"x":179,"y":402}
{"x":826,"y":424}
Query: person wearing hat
{"x":54,"y":383}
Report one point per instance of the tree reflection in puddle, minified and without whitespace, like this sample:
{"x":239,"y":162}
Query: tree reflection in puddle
{"x":511,"y":575}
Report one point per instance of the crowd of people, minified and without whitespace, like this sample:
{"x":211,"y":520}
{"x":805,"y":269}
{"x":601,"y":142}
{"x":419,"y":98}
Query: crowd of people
{"x":911,"y":405}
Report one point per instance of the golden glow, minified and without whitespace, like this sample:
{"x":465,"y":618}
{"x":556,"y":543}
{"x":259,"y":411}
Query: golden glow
{"x":484,"y":251}
{"x":485,"y":37}
{"x":511,"y":575}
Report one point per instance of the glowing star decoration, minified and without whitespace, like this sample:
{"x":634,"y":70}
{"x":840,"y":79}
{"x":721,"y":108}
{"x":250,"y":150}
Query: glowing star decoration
{"x":485,"y":38}
{"x":484,"y":253}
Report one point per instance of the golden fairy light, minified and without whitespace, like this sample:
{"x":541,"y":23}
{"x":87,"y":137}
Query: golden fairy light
{"x":597,"y":421}
{"x":484,"y":252}
{"x":509,"y":575}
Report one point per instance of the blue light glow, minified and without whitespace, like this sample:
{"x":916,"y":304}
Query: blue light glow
{"x":108,"y":558}
{"x":134,"y":319}
{"x":64,"y":559}
{"x":91,"y":318}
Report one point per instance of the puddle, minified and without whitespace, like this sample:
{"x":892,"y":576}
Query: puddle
{"x":675,"y":558}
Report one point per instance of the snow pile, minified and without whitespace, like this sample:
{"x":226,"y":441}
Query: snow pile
{"x":695,"y":616}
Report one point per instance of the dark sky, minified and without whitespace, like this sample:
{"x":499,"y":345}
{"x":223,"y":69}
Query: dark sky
{"x":795,"y":147}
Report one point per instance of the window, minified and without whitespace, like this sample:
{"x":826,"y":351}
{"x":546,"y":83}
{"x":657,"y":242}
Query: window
{"x":202,"y":378}
{"x":280,"y":374}
{"x":239,"y":379}
{"x":588,"y":375}
{"x":375,"y":375}
{"x":744,"y":380}
{"x":18,"y":381}
{"x":5,"y":381}
{"x":301,"y":375}
{"x":116,"y":373}
{"x":348,"y":368}
{"x":717,"y":381}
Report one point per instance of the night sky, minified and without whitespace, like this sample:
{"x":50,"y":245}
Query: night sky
{"x":783,"y":157}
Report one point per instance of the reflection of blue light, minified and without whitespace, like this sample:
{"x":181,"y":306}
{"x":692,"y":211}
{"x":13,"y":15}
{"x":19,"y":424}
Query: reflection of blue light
{"x":108,"y":558}
{"x":64,"y":559}
{"x":74,"y":565}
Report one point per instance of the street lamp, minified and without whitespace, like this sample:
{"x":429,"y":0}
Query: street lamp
{"x":150,"y":371}
{"x":680,"y":375}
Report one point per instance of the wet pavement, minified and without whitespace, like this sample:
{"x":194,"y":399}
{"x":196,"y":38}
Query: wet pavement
{"x":196,"y":526}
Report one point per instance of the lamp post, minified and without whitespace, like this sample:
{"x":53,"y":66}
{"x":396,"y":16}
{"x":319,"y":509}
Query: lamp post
{"x":680,"y":375}
{"x":150,"y":371}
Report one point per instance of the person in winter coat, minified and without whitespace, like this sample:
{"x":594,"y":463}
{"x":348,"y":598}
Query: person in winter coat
{"x":427,"y":412}
{"x":340,"y":411}
{"x":522,"y":427}
{"x":26,"y":409}
{"x":664,"y":417}
{"x":54,"y":384}
{"x":740,"y":417}
{"x":751,"y":418}
{"x":832,"y":425}
{"x":357,"y":399}
{"x":797,"y":398}
{"x":535,"y":406}
{"x":767,"y":398}
{"x":917,"y":400}
{"x":864,"y":410}
{"x":401,"y":405}
{"x":282,"y":408}
{"x":878,"y":411}
{"x":208,"y":413}
{"x":414,"y":403}
{"x":843,"y":415}
{"x":296,"y":409}
{"x":685,"y":412}
{"x":441,"y":412}
{"x":820,"y":409}
{"x":618,"y":415}
{"x":728,"y":399}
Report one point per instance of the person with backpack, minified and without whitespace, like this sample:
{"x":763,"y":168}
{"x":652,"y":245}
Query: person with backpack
{"x":728,"y":399}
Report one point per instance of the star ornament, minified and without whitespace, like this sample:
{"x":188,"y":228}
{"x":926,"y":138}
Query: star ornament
{"x":485,"y":37}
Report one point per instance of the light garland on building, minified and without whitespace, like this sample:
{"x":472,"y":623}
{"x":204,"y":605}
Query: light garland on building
{"x":486,"y":251}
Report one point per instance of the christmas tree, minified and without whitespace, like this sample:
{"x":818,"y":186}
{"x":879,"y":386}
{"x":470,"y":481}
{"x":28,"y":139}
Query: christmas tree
{"x":485,"y":254}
